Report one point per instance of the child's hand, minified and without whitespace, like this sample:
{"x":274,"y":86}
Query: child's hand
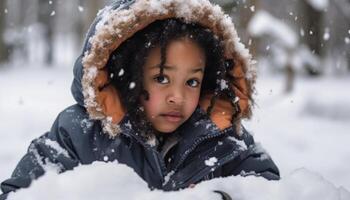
{"x":224,"y":195}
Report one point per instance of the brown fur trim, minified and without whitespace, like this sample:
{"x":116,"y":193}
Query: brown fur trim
{"x":118,"y":25}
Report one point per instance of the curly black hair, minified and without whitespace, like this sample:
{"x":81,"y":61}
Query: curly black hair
{"x":125,"y":65}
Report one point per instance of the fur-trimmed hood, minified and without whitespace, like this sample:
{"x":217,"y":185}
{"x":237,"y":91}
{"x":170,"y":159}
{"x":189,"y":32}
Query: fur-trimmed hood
{"x":119,"y":21}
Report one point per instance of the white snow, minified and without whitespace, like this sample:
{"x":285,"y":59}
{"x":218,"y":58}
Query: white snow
{"x":319,"y":5}
{"x":252,"y":8}
{"x":347,"y":40}
{"x":240,"y":143}
{"x":121,"y":72}
{"x":326,"y":34}
{"x":211,"y":161}
{"x":168,"y":176}
{"x":81,"y":8}
{"x":132,"y":85}
{"x":116,"y":181}
{"x":306,"y":129}
{"x":105,"y":158}
{"x":91,"y":72}
{"x":223,"y":84}
{"x":263,"y":23}
{"x":53,"y":13}
{"x":54,"y":145}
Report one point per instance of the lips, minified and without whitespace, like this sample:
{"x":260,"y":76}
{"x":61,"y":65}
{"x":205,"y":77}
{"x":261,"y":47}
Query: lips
{"x":172,"y":116}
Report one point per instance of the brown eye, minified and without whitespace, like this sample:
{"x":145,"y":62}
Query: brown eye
{"x":161,"y":79}
{"x":193,"y":83}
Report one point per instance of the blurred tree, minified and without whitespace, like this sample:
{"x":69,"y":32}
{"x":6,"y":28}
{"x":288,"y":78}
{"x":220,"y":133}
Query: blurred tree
{"x":3,"y":48}
{"x":241,"y":12}
{"x":91,"y":8}
{"x":226,"y":5}
{"x":342,"y":18}
{"x":46,"y":18}
{"x":313,"y":25}
{"x":245,"y":15}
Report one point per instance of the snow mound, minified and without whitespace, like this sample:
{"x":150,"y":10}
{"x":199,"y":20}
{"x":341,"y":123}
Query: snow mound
{"x":338,"y":110}
{"x":116,"y":181}
{"x":333,"y":105}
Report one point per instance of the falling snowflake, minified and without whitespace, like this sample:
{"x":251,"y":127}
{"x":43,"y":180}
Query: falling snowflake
{"x":105,"y":158}
{"x":326,"y":36}
{"x":347,"y":40}
{"x":53,"y":13}
{"x":121,"y":72}
{"x":80,"y":8}
{"x":132,"y":85}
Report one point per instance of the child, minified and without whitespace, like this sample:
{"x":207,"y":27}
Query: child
{"x":161,"y":86}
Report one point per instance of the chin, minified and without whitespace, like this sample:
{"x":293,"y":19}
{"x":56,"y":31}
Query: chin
{"x":166,"y":130}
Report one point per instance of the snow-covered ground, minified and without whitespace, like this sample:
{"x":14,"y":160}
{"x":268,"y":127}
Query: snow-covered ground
{"x":115,"y":181}
{"x":309,"y":128}
{"x":306,"y":133}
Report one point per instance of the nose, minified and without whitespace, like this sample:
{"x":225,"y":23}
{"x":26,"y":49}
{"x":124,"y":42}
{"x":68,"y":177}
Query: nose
{"x":175,"y":97}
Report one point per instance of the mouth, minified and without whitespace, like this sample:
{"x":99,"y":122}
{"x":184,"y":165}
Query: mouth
{"x":172,"y":116}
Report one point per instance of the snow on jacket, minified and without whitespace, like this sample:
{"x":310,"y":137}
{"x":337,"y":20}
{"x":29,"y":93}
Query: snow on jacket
{"x":97,"y":128}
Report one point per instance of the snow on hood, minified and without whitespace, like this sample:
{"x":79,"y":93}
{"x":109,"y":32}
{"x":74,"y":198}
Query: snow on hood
{"x":119,"y":21}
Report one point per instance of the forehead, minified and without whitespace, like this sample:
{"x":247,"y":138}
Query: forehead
{"x":181,"y":54}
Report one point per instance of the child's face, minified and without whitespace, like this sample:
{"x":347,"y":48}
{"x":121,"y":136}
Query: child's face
{"x":174,"y":96}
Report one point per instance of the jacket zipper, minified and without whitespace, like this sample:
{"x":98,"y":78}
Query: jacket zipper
{"x":159,"y":164}
{"x":196,"y":143}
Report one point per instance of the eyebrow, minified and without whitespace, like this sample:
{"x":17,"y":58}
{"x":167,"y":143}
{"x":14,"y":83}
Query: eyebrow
{"x":168,"y":67}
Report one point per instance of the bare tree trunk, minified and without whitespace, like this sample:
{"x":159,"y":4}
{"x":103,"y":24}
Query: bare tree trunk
{"x":245,"y":18}
{"x":290,"y":78}
{"x":4,"y":54}
{"x":312,"y":21}
{"x":46,"y":17}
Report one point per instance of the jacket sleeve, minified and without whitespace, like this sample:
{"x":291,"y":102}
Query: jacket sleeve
{"x":253,"y":161}
{"x":52,"y":151}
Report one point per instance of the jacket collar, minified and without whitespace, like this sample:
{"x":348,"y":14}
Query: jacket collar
{"x":197,"y":127}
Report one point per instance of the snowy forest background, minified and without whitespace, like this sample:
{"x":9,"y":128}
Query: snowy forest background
{"x":302,"y":112}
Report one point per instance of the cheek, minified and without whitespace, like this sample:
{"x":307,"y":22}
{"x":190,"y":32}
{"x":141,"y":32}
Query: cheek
{"x":192,"y":101}
{"x":152,"y":103}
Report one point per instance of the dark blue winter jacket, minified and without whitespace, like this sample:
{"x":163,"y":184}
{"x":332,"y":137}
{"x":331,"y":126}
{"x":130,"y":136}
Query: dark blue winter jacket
{"x":82,"y":142}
